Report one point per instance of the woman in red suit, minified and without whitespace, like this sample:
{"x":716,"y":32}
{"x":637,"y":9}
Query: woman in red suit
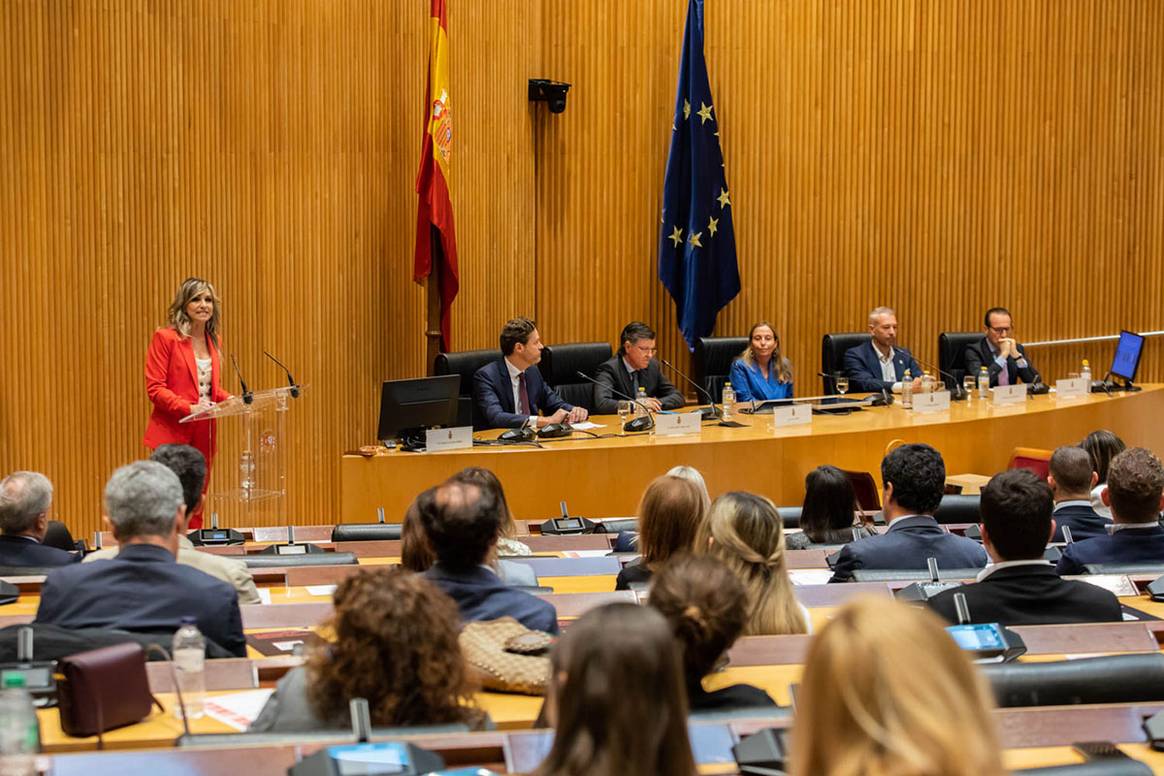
{"x":182,"y":374}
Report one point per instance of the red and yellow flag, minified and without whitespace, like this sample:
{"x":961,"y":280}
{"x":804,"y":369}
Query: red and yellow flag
{"x":435,"y":233}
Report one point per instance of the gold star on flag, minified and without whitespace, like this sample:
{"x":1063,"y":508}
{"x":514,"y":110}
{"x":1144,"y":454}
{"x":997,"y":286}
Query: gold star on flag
{"x":694,"y":240}
{"x":712,"y":225}
{"x":686,"y":109}
{"x":724,"y":198}
{"x":676,"y":236}
{"x":704,"y":112}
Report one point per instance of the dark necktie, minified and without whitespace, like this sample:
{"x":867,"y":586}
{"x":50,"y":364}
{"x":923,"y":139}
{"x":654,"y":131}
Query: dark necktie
{"x":522,"y":395}
{"x":635,"y":382}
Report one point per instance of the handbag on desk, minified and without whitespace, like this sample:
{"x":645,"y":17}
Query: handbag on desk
{"x":103,"y":689}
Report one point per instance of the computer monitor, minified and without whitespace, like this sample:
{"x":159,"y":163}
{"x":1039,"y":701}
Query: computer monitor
{"x":417,"y":404}
{"x":1126,"y":360}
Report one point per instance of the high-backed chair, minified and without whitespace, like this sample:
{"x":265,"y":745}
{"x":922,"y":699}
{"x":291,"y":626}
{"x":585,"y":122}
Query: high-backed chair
{"x":713,"y":363}
{"x":959,"y":509}
{"x":832,"y":355}
{"x":1036,"y":459}
{"x":466,"y":363}
{"x":952,"y":353}
{"x":560,"y":365}
{"x":865,"y":489}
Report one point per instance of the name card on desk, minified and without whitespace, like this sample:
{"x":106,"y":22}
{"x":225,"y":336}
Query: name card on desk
{"x":1075,"y":388}
{"x":791,"y":415}
{"x":437,"y":439}
{"x":678,"y":424}
{"x":1009,"y":394}
{"x":931,"y":402}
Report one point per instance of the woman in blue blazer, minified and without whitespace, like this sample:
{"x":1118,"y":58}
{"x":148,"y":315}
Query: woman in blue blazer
{"x":761,"y":372}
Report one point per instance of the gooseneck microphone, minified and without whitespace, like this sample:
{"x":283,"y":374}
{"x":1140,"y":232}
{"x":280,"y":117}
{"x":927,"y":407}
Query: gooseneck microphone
{"x":247,"y":396}
{"x":644,"y":423}
{"x":290,"y":380}
{"x":708,"y":413}
{"x":957,"y":390}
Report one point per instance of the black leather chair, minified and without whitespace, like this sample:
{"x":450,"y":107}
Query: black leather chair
{"x":952,"y":352}
{"x":713,"y":363}
{"x":466,"y":363}
{"x":958,"y":509}
{"x":790,"y":516}
{"x":365,"y":532}
{"x":1136,"y":678}
{"x":832,"y":355}
{"x":316,"y":559}
{"x":1108,"y":766}
{"x":560,"y":365}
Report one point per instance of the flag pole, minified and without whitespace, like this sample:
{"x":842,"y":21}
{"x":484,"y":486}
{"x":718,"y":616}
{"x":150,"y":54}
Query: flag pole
{"x":432,"y":331}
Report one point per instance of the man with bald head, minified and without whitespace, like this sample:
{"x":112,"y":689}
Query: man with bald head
{"x":880,"y":364}
{"x":462,"y":523}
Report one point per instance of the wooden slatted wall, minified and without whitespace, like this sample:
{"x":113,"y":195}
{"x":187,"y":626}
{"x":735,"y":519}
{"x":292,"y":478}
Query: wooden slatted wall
{"x":934,"y":156}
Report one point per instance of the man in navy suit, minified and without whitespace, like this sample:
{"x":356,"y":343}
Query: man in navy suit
{"x":1005,"y":360}
{"x":879,"y":365}
{"x":144,"y":589}
{"x":632,"y":368}
{"x":1022,"y":588}
{"x":914,"y":478}
{"x":509,"y":393}
{"x":25,"y":501}
{"x":462,"y":522}
{"x":1071,"y":480}
{"x":1135,"y":493}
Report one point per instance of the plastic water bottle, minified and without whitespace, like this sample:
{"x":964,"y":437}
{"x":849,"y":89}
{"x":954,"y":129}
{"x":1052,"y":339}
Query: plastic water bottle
{"x":246,"y":470}
{"x":641,"y":403}
{"x":19,"y":730}
{"x":1085,"y":372}
{"x":907,"y":390}
{"x":983,"y":383}
{"x":728,"y":399}
{"x":189,"y":655}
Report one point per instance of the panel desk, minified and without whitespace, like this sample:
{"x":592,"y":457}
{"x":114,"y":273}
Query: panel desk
{"x":604,"y":477}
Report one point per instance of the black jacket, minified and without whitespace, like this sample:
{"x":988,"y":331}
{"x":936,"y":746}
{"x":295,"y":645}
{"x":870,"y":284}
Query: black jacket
{"x":612,"y":376}
{"x":979,"y":354}
{"x":906,"y":545}
{"x":1030,"y":595}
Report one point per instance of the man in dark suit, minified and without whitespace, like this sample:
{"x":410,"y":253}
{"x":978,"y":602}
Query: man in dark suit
{"x":462,"y":522}
{"x":634,"y":367}
{"x":25,"y":501}
{"x":914,"y":478}
{"x":1135,"y":493}
{"x":508,"y":393}
{"x":144,"y":589}
{"x":1071,"y":480}
{"x":1021,"y":588}
{"x":879,"y":365}
{"x":1005,"y":360}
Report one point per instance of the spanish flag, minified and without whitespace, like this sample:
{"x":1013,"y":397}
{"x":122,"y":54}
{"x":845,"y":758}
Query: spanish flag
{"x":435,"y":233}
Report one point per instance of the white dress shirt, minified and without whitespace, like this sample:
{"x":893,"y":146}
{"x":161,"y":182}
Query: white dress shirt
{"x":888,"y":371}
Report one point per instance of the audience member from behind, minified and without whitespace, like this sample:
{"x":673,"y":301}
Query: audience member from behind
{"x":913,"y":480}
{"x":746,"y":534}
{"x":1021,"y":588}
{"x":395,"y":645}
{"x":190,"y":466}
{"x":1102,"y":446}
{"x":694,"y":475}
{"x":462,"y":521}
{"x":707,"y":609}
{"x":415,"y":551}
{"x":25,"y":501}
{"x":671,"y":516}
{"x":761,"y":372}
{"x":1071,"y":479}
{"x":616,"y":698}
{"x":1135,"y":493}
{"x":828,"y":515}
{"x":887,"y":692}
{"x":144,"y":589}
{"x":511,"y":573}
{"x":507,"y":544}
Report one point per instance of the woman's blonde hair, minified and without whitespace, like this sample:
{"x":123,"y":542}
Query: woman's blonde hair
{"x":748,"y":537}
{"x":177,"y":317}
{"x":887,"y":692}
{"x":783,"y":365}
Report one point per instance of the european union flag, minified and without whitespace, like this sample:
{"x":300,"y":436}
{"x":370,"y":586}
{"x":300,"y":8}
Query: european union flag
{"x":697,"y":244}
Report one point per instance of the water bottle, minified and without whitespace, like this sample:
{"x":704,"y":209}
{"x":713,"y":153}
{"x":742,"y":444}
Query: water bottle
{"x":983,"y":383}
{"x":19,"y":730}
{"x":189,"y":655}
{"x":246,"y":470}
{"x":641,"y":403}
{"x":1085,"y":373}
{"x":728,"y":399}
{"x":907,"y":390}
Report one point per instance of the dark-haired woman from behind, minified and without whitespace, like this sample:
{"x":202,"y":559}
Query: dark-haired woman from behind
{"x":707,"y":608}
{"x":827,"y":516}
{"x":671,"y":515}
{"x":1101,"y":446}
{"x":396,"y":646}
{"x":616,"y":698}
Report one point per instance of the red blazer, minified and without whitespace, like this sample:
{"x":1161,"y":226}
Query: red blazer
{"x":171,"y":378}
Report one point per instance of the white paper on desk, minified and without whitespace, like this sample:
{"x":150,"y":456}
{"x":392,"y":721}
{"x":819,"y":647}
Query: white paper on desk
{"x":238,"y":709}
{"x":586,"y":425}
{"x":1119,"y":585}
{"x":585,"y":553}
{"x":323,"y":590}
{"x":265,"y":595}
{"x":810,"y":576}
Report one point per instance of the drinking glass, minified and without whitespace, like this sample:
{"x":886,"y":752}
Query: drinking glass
{"x":842,"y":384}
{"x":970,"y":385}
{"x":624,"y":409}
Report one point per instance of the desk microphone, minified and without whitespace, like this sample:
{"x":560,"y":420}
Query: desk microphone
{"x":247,"y":396}
{"x":957,"y":390}
{"x":708,"y":413}
{"x":644,"y":423}
{"x":290,"y":380}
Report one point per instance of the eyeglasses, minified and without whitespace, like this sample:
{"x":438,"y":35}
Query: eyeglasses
{"x":1000,"y":329}
{"x":643,"y":349}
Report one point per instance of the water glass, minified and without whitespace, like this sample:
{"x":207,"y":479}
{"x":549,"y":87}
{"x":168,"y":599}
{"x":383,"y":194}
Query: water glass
{"x":970,"y":385}
{"x":624,"y":409}
{"x":842,"y":384}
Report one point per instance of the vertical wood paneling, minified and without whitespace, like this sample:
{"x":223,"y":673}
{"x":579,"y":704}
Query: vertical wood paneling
{"x":939,"y":157}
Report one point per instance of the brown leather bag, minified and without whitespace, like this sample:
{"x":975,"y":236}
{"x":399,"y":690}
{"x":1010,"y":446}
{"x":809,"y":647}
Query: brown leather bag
{"x":103,"y":689}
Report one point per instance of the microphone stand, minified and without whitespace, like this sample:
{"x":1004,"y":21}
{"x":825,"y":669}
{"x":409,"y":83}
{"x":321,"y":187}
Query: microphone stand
{"x":247,"y":396}
{"x":626,"y":426}
{"x":290,"y":380}
{"x":708,"y":413}
{"x":957,"y":391}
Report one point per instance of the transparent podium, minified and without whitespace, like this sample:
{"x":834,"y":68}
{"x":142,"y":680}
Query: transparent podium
{"x":262,"y":465}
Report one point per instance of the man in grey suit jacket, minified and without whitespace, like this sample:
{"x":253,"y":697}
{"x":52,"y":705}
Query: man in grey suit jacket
{"x":634,"y":367}
{"x":914,"y":478}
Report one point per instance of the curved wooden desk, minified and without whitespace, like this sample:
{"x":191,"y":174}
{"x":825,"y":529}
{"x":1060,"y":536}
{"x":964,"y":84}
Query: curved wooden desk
{"x":605,"y":477}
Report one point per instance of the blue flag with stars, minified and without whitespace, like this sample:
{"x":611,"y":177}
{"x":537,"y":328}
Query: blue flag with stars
{"x":697,"y":244}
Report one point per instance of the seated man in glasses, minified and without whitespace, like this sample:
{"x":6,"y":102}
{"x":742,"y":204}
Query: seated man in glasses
{"x":634,"y":367}
{"x":1004,"y":358}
